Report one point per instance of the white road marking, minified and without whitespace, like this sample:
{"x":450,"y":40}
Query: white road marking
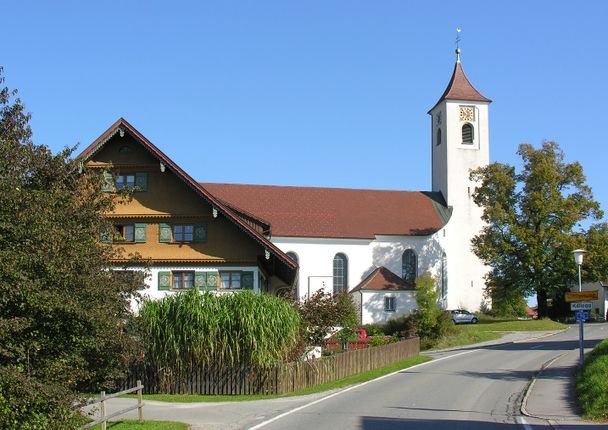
{"x":299,"y":408}
{"x":524,"y":423}
{"x":537,"y":346}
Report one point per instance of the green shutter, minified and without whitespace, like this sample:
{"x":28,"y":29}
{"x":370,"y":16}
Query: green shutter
{"x":247,"y":280}
{"x":200,"y":279}
{"x":141,"y":181}
{"x":164,"y":281}
{"x":200,"y":233}
{"x":212,"y":281}
{"x":108,"y":182}
{"x":140,"y":233}
{"x":164,"y":233}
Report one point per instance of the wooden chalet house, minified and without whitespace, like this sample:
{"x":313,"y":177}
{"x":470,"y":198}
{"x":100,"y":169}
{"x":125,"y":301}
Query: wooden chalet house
{"x":187,"y":237}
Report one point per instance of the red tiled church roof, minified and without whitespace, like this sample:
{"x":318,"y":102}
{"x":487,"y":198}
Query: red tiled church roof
{"x":382,"y":279}
{"x":460,"y":88}
{"x":336,"y":212}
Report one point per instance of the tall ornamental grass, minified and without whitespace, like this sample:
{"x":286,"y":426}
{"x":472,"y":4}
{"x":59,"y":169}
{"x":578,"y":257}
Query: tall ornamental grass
{"x":188,"y":329}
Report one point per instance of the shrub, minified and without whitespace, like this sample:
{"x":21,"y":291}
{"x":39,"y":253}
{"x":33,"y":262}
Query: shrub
{"x":29,"y":405}
{"x":322,"y":311}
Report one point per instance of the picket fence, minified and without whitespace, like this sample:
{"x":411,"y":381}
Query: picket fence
{"x":282,"y":379}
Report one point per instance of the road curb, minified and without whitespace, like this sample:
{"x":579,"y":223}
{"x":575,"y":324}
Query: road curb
{"x":539,"y":337}
{"x":550,"y":420}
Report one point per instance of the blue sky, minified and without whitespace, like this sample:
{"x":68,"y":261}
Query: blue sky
{"x":314,"y":93}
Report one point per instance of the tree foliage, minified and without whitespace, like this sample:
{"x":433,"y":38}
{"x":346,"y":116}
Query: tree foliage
{"x":322,"y":312}
{"x":61,"y":311}
{"x":533,"y":220}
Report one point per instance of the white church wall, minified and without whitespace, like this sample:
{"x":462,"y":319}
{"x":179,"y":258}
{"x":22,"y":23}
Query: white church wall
{"x":315,"y":257}
{"x":372,"y":305}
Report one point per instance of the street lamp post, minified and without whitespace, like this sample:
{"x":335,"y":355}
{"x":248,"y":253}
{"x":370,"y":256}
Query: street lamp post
{"x":578,"y":259}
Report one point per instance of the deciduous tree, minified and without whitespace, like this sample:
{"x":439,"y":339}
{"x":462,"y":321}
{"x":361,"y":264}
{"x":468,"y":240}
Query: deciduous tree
{"x":533,"y":221}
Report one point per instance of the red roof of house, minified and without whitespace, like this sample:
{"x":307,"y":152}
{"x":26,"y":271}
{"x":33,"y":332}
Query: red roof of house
{"x":460,"y":88}
{"x":382,"y":279}
{"x":336,"y":212}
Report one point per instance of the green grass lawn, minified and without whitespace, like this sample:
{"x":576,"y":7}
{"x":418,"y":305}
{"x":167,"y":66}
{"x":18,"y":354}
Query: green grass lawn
{"x":491,"y":329}
{"x":592,"y":384}
{"x":144,"y":425}
{"x":355,"y":379}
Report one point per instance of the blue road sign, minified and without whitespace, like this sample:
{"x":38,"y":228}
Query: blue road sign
{"x":581,"y":315}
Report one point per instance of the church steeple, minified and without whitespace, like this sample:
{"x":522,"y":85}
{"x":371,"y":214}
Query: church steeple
{"x":459,"y":87}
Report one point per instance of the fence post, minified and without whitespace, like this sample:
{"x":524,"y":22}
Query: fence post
{"x":140,"y":402}
{"x":102,"y":411}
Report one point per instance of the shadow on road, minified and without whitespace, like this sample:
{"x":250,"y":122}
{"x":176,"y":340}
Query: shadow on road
{"x":379,"y":423}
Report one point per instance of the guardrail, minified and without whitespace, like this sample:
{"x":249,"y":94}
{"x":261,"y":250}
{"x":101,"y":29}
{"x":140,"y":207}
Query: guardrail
{"x":103,"y":418}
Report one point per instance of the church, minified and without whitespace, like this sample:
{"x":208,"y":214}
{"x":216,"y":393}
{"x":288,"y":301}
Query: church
{"x":298,"y":240}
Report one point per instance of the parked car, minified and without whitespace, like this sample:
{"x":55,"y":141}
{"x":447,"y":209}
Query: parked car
{"x":462,"y":316}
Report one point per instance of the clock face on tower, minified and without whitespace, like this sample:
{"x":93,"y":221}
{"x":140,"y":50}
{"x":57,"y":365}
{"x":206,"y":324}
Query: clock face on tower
{"x":467,"y":113}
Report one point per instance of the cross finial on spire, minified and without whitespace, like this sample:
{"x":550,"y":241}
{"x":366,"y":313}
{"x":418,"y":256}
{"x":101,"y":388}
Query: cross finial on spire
{"x":458,"y":30}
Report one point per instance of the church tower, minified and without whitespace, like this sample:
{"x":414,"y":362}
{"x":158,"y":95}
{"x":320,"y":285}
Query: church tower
{"x":460,"y":143}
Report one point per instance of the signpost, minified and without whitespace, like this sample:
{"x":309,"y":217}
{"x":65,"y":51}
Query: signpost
{"x":581,"y":315}
{"x":581,"y":296}
{"x":581,"y":306}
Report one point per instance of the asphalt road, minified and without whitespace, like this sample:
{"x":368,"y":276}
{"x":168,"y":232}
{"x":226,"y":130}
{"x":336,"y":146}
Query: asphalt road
{"x":472,"y":389}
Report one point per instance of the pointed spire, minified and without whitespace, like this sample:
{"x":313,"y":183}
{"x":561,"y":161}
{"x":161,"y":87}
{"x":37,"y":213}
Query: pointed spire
{"x":459,"y":87}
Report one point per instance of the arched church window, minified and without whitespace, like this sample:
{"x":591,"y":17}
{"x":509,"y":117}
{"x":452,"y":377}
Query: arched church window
{"x":296,"y":283}
{"x":468,"y":134}
{"x":438,"y":136}
{"x":444,"y":276}
{"x":340,"y":273}
{"x":409,"y":266}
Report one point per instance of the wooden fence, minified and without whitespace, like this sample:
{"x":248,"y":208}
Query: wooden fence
{"x":282,"y":379}
{"x":104,"y":417}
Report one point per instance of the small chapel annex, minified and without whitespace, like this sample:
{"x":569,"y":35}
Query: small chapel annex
{"x":370,"y":243}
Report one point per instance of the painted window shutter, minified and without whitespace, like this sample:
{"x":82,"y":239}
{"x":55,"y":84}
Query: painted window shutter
{"x":247,"y":280}
{"x":141,"y":181}
{"x":200,"y":280}
{"x":140,"y":233}
{"x":212,"y":279}
{"x":200,"y":233}
{"x":164,"y":233}
{"x":108,"y":182}
{"x":164,"y":281}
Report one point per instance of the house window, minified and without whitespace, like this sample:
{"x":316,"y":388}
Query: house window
{"x":182,"y":280}
{"x":468,"y":134}
{"x":389,"y":304}
{"x":409,"y":266}
{"x":230,"y":280}
{"x":183,"y":233}
{"x":340,"y":273}
{"x":125,"y":181}
{"x":124,"y":233}
{"x":438,"y":136}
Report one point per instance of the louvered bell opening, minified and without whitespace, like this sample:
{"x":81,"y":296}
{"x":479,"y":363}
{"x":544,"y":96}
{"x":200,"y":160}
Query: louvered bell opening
{"x":467,"y":134}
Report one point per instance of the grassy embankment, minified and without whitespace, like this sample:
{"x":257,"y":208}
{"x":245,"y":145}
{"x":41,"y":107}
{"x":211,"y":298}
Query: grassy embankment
{"x":491,"y":329}
{"x":592,"y":384}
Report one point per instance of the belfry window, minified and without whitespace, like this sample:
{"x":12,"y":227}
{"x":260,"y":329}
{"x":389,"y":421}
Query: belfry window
{"x":468,"y":134}
{"x":340,"y":273}
{"x":438,"y":136}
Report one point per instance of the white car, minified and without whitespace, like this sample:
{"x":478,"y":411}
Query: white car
{"x":462,"y":316}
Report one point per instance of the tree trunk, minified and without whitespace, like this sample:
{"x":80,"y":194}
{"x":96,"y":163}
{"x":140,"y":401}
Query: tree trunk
{"x":541,"y":299}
